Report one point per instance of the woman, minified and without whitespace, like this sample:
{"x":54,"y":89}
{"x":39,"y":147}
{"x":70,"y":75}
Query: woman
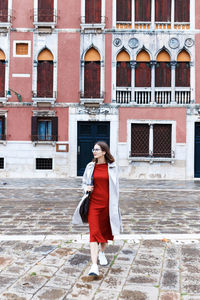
{"x":101,"y":179}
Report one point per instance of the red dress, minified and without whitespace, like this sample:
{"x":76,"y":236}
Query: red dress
{"x":98,"y":216}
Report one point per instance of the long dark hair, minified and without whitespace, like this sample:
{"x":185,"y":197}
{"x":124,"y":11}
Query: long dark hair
{"x":104,"y":147}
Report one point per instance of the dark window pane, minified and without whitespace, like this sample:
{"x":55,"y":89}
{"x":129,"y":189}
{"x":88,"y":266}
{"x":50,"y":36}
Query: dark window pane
{"x":45,"y":79}
{"x":140,"y":140}
{"x":4,"y":11}
{"x":92,"y":11}
{"x":124,"y":74}
{"x":92,"y":79}
{"x":45,"y":10}
{"x":2,"y":78}
{"x":162,"y":140}
{"x":1,"y":163}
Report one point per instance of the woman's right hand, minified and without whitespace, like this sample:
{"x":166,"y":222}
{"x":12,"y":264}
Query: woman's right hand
{"x":90,"y":188}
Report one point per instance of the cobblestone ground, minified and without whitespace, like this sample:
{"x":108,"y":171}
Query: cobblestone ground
{"x":34,"y":265}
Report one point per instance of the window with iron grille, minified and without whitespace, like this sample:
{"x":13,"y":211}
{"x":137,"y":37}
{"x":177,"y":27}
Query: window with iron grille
{"x":44,"y":163}
{"x":1,"y":163}
{"x":153,"y":140}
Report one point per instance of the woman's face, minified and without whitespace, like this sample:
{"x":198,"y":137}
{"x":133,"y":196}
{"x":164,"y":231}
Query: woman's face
{"x":97,"y":152}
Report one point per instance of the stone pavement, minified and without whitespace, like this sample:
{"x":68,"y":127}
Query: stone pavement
{"x":42,"y":256}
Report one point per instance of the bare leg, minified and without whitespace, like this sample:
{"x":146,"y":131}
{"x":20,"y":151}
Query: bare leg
{"x":94,"y":248}
{"x":103,"y":246}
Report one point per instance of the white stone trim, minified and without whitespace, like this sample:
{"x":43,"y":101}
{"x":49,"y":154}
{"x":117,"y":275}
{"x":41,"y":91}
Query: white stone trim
{"x":21,"y":75}
{"x":15,"y":42}
{"x":114,"y":11}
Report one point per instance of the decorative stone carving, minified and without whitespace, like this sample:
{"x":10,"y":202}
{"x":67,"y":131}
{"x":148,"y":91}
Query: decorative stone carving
{"x":189,"y":42}
{"x":133,"y":43}
{"x":117,"y":42}
{"x":44,"y":113}
{"x":93,"y":110}
{"x":174,"y":43}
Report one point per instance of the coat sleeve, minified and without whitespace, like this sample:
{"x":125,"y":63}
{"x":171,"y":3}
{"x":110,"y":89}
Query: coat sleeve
{"x":84,"y":180}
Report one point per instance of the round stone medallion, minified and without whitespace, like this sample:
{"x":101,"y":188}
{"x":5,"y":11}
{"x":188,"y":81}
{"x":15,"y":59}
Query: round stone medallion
{"x":133,"y":43}
{"x":117,"y":42}
{"x":189,"y":42}
{"x":174,"y":43}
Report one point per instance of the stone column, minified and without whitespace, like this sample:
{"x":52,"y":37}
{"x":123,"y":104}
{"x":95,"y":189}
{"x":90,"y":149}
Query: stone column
{"x":173,"y":78}
{"x":153,"y":66}
{"x":133,"y":64}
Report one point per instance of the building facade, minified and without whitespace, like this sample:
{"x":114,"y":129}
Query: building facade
{"x":123,"y":71}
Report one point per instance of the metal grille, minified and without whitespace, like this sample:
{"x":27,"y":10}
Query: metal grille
{"x":140,"y":140}
{"x":1,"y":163}
{"x":44,"y":163}
{"x":162,"y":140}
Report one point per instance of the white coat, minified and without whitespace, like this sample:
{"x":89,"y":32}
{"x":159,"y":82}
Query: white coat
{"x":114,"y":212}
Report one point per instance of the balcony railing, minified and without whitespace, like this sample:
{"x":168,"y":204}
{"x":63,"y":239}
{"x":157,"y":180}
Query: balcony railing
{"x":163,"y":25}
{"x":143,"y":25}
{"x":95,"y":95}
{"x":163,"y":96}
{"x":44,"y":17}
{"x":93,"y":24}
{"x":142,"y":96}
{"x":124,"y":25}
{"x":182,"y":26}
{"x":183,"y":96}
{"x":44,"y":138}
{"x":5,"y":16}
{"x":149,"y":26}
{"x":123,"y":95}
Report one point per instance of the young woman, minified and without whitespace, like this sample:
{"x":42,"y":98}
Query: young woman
{"x":101,"y":179}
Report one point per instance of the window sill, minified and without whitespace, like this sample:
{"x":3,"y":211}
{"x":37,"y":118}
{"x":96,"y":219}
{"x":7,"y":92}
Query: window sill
{"x":4,"y":25}
{"x":88,"y":26}
{"x":43,"y":100}
{"x":3,"y":99}
{"x":91,"y":100}
{"x":151,"y":160}
{"x":3,"y":142}
{"x":52,"y":143}
{"x":44,"y":24}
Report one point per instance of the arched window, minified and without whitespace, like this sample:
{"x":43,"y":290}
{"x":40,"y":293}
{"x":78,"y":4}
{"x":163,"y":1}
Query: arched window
{"x":143,"y":70}
{"x":123,"y":69}
{"x":2,"y":73}
{"x":92,"y":74}
{"x":45,"y":10}
{"x":124,"y":10}
{"x":163,"y":70}
{"x":92,"y":11}
{"x":45,"y":74}
{"x":4,"y":11}
{"x":183,"y":69}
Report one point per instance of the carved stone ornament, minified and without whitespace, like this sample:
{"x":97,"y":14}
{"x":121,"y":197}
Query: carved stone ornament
{"x":93,"y":110}
{"x":133,"y":43}
{"x":117,"y":42}
{"x":189,"y":42}
{"x":174,"y":43}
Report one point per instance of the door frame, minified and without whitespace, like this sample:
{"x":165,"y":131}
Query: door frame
{"x":77,"y":114}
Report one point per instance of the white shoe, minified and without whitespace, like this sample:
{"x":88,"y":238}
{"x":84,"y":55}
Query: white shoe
{"x":102,"y":259}
{"x":94,"y":270}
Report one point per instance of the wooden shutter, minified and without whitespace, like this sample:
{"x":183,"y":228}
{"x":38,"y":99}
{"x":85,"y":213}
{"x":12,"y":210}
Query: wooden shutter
{"x":45,"y":79}
{"x":92,"y":11}
{"x":92,"y":79}
{"x":182,"y":10}
{"x":162,"y":140}
{"x":34,"y":134}
{"x":54,"y":128}
{"x":143,"y":10}
{"x":143,"y":75}
{"x":45,"y":10}
{"x":123,"y":74}
{"x":183,"y":74}
{"x":163,"y":10}
{"x":124,"y":10}
{"x":3,"y":10}
{"x":2,"y":78}
{"x":140,"y":140}
{"x":163,"y":74}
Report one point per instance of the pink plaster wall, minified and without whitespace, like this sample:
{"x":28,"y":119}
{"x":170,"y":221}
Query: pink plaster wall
{"x":176,"y":114}
{"x":23,"y":17}
{"x":69,"y":12}
{"x":19,"y":124}
{"x":197,"y":12}
{"x":68,"y":67}
{"x":197,"y":68}
{"x":109,"y":14}
{"x":108,"y":67}
{"x":21,"y":65}
{"x":63,"y":119}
